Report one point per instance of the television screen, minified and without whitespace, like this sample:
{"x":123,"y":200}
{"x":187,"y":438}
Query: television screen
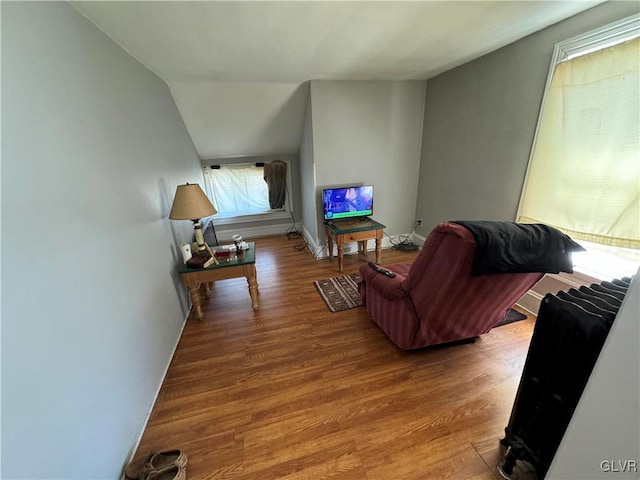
{"x":347,"y":202}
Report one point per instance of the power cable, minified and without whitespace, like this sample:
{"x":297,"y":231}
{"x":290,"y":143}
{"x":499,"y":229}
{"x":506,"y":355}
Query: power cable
{"x":404,"y":243}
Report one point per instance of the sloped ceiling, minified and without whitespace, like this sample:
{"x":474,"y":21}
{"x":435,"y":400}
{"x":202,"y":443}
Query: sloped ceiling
{"x":238,"y":70}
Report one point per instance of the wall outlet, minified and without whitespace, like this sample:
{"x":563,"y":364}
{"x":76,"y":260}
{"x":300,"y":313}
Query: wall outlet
{"x":419,"y":223}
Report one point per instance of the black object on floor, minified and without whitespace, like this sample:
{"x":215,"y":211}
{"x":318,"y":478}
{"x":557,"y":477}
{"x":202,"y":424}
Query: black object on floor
{"x":511,"y":317}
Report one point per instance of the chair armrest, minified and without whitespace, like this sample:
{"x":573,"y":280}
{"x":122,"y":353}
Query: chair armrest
{"x":389,"y":288}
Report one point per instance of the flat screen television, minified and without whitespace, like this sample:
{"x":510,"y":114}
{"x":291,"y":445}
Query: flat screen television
{"x":347,"y":202}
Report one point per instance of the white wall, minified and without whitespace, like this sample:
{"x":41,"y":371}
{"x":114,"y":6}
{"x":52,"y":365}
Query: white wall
{"x":92,"y":150}
{"x":308,"y":177}
{"x":370,"y":133}
{"x":606,"y":423}
{"x":242,"y":118}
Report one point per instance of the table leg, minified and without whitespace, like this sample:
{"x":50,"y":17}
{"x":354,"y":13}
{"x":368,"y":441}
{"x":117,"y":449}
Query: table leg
{"x":364,"y":247}
{"x":340,"y":255}
{"x":195,"y":300}
{"x":207,"y":289}
{"x":378,"y":250}
{"x":252,"y":280}
{"x":330,"y":246}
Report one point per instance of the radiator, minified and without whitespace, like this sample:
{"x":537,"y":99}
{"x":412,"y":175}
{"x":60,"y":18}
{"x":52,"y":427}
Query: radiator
{"x":568,"y":336}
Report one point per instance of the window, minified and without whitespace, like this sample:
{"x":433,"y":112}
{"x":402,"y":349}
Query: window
{"x":584,"y":170}
{"x":249,"y":191}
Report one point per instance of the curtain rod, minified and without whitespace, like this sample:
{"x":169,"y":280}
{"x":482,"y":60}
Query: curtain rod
{"x":217,"y":167}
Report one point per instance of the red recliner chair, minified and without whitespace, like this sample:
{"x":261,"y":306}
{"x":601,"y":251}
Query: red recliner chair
{"x":436,"y":300}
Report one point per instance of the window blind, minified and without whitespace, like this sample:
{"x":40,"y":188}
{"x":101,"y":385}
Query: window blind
{"x":584,"y":171}
{"x":237,"y":190}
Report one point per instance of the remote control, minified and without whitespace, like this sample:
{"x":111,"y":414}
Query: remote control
{"x":382,"y":270}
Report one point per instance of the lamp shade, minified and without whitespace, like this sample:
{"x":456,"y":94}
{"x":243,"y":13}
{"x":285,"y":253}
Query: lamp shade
{"x":191,"y":203}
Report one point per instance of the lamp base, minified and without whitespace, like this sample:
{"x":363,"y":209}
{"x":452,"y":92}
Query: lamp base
{"x":199,"y":236}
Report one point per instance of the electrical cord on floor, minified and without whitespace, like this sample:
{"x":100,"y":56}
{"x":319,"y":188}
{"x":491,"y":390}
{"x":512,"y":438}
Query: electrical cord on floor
{"x":404,"y":243}
{"x":295,"y":232}
{"x":303,"y":246}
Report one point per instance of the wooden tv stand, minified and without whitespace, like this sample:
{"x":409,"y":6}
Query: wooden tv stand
{"x":353,"y":230}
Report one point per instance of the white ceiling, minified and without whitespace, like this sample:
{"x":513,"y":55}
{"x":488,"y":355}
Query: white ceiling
{"x":230,"y":64}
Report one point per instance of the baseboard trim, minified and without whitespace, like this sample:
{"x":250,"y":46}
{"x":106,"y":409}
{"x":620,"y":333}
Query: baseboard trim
{"x":531,"y":302}
{"x":553,"y":283}
{"x":145,"y":421}
{"x":311,"y":243}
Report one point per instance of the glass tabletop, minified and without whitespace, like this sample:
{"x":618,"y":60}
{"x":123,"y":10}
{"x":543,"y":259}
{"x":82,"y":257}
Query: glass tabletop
{"x":246,"y":257}
{"x":353,"y":225}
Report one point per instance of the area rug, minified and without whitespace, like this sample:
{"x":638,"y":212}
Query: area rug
{"x":340,"y":293}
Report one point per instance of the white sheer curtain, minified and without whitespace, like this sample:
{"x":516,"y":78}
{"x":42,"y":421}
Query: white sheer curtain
{"x":237,"y":190}
{"x":584,"y":172}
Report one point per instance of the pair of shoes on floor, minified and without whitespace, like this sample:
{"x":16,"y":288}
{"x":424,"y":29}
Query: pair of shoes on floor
{"x":172,"y":472}
{"x":162,"y":465}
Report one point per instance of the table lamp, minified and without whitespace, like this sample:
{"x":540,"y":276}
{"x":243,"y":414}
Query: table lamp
{"x":191,"y":203}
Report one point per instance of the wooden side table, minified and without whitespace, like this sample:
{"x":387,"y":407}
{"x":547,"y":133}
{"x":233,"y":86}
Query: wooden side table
{"x":244,"y":265}
{"x":353,"y":230}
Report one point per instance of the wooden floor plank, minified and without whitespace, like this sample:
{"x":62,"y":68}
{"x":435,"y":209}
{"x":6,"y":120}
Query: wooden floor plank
{"x":295,"y":391}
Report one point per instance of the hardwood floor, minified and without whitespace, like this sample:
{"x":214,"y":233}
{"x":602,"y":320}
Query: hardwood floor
{"x":294,"y":391}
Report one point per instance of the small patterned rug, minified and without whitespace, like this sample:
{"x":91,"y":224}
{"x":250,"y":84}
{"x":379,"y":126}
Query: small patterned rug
{"x":340,"y":293}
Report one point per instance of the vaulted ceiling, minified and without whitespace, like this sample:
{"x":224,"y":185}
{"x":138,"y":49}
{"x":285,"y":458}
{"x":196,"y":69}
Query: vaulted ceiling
{"x":238,"y":70}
